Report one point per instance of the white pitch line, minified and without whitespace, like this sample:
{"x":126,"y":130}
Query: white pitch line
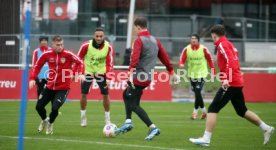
{"x":92,"y":142}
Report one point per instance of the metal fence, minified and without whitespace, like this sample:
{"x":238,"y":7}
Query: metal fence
{"x":172,"y":30}
{"x":169,"y":26}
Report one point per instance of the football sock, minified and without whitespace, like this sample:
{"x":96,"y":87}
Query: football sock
{"x":128,"y":121}
{"x":152,"y":126}
{"x":107,"y":116}
{"x":203,"y":110}
{"x":264,"y":126}
{"x":195,"y":111}
{"x":83,"y":112}
{"x":207,"y":135}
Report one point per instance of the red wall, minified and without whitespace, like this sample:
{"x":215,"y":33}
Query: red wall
{"x":259,"y":87}
{"x":10,"y":85}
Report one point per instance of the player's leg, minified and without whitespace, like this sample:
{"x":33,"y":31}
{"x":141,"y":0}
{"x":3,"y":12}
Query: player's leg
{"x":85,"y":86}
{"x":127,"y":106}
{"x":128,"y":109}
{"x":57,"y":102}
{"x":131,"y":100}
{"x":196,"y":105}
{"x":40,"y":83}
{"x":153,"y":130}
{"x":201,"y":83}
{"x":133,"y":96}
{"x":221,"y":99}
{"x":197,"y":88}
{"x":44,"y":98}
{"x":101,"y":81}
{"x":242,"y":111}
{"x":129,"y":103}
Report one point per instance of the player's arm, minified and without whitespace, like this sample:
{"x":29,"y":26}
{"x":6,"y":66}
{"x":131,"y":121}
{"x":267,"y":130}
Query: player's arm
{"x":183,"y":58}
{"x":209,"y":59}
{"x":135,"y":55}
{"x":78,"y":67}
{"x":110,"y":59}
{"x":164,"y":58}
{"x":34,"y":58}
{"x":229,"y":60}
{"x":36,"y":69}
{"x":83,"y":50}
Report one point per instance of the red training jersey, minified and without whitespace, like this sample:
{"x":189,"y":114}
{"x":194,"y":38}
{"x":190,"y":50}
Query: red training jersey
{"x":60,"y":68}
{"x":228,"y":62}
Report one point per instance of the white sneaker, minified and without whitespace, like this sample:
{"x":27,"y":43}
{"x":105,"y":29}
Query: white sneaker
{"x":83,"y":121}
{"x":267,"y":135}
{"x":200,"y":141}
{"x":49,"y":128}
{"x":42,"y":124}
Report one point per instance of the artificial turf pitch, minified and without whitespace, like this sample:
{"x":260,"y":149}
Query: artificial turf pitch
{"x":232,"y":132}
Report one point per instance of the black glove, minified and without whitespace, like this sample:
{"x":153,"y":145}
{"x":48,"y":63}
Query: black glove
{"x":130,"y":84}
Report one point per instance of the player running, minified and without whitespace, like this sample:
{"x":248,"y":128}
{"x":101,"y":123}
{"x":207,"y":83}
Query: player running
{"x":231,"y":89}
{"x":60,"y":62}
{"x":41,"y":79}
{"x":197,"y":56}
{"x":146,"y":50}
{"x":97,"y":55}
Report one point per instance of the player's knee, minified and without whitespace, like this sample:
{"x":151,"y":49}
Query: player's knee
{"x":83,"y":96}
{"x":38,"y":107}
{"x":241,"y":113}
{"x":104,"y":91}
{"x":212,"y":109}
{"x":55,"y":108}
{"x":134,"y":108}
{"x":197,"y":90}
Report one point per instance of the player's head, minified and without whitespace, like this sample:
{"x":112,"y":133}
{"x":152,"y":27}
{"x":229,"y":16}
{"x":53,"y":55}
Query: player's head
{"x":99,"y":35}
{"x":194,"y":39}
{"x":140,"y":24}
{"x":57,"y":43}
{"x":43,"y":41}
{"x":217,"y":31}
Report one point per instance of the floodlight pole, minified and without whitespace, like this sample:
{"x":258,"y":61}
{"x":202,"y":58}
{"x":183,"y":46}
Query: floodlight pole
{"x":129,"y":32}
{"x":130,"y":23}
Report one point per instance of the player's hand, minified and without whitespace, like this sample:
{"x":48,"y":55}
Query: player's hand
{"x":72,"y":78}
{"x":130,"y":84}
{"x":81,"y":77}
{"x":31,"y":84}
{"x":175,"y":79}
{"x":181,"y":65}
{"x":225,"y":85}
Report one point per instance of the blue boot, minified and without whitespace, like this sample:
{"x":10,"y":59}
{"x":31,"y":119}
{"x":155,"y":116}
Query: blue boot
{"x":125,"y":128}
{"x":152,"y":133}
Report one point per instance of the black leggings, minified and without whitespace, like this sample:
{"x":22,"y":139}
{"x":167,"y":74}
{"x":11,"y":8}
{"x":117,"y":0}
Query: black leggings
{"x":40,"y":83}
{"x":132,"y":103}
{"x":233,"y":94}
{"x":57,"y":98}
{"x":197,"y":85}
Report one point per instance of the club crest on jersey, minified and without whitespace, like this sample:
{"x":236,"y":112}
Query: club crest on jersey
{"x":52,"y":60}
{"x":62,"y":60}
